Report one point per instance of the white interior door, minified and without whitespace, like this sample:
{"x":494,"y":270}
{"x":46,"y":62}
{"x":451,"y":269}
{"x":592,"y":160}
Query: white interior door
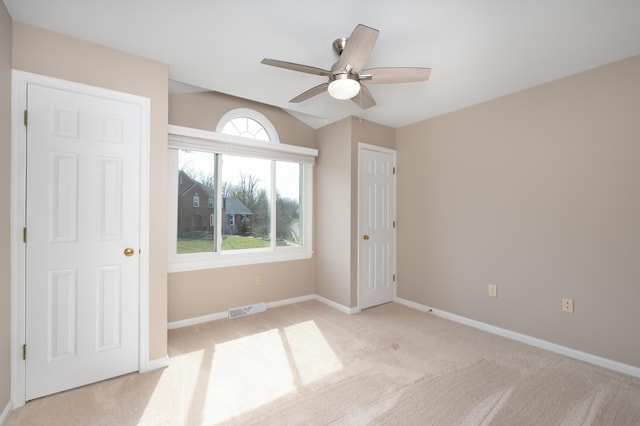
{"x":377,"y":236}
{"x":82,"y":213}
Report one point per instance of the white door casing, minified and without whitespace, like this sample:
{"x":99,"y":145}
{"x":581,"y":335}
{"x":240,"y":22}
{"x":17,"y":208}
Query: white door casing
{"x":84,"y":302}
{"x":376,"y":225}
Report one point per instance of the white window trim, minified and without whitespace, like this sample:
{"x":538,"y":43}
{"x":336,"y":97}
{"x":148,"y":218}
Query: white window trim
{"x":202,"y":140}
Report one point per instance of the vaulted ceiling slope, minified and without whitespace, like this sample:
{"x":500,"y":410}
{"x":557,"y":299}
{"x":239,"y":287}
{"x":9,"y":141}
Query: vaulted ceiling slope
{"x":478,"y":50}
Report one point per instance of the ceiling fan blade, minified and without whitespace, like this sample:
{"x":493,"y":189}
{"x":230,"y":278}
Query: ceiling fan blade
{"x":358,"y":48}
{"x":296,"y":67}
{"x":395,"y":75}
{"x":364,"y":99}
{"x":310,"y":93}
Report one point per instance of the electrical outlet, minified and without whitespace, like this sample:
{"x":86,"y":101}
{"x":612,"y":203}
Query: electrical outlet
{"x":492,"y":290}
{"x":258,"y":280}
{"x":567,"y":305}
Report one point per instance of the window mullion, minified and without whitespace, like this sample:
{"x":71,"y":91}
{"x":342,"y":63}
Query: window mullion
{"x":273,"y":205}
{"x":218,"y":209}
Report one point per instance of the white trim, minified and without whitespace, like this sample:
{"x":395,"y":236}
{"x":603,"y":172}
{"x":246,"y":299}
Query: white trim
{"x":337,"y":306}
{"x":224,"y":315}
{"x":532,"y":341}
{"x":197,"y":261}
{"x":20,"y":81}
{"x":412,"y":305}
{"x":18,"y":185}
{"x":5,"y":413}
{"x":252,"y":114}
{"x":207,"y":141}
{"x":197,"y":320}
{"x":362,"y":146}
{"x":155,"y":364}
{"x":145,"y":220}
{"x":291,"y":301}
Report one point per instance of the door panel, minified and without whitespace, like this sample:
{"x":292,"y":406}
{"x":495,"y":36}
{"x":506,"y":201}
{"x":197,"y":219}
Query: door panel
{"x":376,"y":186}
{"x":82,"y":209}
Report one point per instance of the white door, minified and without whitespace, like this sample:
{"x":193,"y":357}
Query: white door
{"x":377,"y":201}
{"x":82,"y":220}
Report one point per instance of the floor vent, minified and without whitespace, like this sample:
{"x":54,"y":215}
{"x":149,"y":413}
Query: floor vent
{"x":247,"y":310}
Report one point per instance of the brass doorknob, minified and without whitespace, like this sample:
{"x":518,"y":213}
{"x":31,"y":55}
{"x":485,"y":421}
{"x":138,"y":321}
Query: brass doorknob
{"x":365,"y":237}
{"x":129,"y":251}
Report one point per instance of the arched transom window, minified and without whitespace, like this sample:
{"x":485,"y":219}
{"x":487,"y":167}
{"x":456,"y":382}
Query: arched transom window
{"x":248,"y":124}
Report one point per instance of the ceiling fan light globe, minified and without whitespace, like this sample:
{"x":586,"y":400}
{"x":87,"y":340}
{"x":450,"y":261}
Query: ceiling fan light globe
{"x":344,"y":88}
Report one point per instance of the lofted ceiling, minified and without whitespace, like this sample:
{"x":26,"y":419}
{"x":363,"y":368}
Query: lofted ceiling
{"x":477,"y":50}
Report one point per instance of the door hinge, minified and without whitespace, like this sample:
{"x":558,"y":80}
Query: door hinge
{"x":24,"y":351}
{"x":394,"y":224}
{"x":26,"y":117}
{"x":394,"y":167}
{"x":24,"y":234}
{"x":394,"y":278}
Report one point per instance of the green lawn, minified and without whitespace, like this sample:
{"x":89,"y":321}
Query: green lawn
{"x":231,"y":242}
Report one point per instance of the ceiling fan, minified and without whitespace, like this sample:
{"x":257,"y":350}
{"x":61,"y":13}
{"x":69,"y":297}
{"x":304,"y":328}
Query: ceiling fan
{"x":347,"y":75}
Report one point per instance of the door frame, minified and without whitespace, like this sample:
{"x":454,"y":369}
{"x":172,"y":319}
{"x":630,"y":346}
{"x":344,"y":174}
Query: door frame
{"x":361,"y":147}
{"x":20,"y":82}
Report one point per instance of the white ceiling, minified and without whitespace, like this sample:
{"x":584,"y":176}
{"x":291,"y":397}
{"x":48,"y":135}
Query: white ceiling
{"x":477,"y":49}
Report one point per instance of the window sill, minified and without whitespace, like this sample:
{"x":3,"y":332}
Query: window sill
{"x":194,"y":262}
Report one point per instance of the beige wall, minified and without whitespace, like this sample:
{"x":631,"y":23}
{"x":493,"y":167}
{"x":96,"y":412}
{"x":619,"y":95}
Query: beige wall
{"x":43,"y":52}
{"x":332,"y":219}
{"x":204,"y":292}
{"x":203,"y":110}
{"x":5,"y":196}
{"x":536,"y":192}
{"x":336,"y":218}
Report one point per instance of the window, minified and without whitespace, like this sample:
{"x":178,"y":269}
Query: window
{"x":196,"y":201}
{"x":249,"y":124}
{"x":259,"y":199}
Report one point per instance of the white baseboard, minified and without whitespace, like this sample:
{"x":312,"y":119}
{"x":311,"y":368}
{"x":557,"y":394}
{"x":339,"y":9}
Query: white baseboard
{"x":337,"y":306}
{"x":533,"y":341}
{"x":291,"y":301}
{"x":222,"y":315}
{"x":413,"y":305}
{"x":197,"y":320}
{"x":5,"y":412}
{"x":155,"y":364}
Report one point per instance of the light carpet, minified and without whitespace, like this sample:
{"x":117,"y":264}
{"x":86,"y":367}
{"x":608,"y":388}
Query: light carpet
{"x":308,"y":364}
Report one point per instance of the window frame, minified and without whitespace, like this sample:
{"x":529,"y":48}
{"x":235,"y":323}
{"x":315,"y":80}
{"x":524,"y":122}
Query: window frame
{"x":214,"y":142}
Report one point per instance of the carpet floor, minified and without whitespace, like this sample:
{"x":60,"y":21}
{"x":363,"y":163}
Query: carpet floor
{"x":308,"y":364}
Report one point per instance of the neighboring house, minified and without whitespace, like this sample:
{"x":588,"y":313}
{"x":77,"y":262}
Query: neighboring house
{"x":197,"y":211}
{"x":239,"y":218}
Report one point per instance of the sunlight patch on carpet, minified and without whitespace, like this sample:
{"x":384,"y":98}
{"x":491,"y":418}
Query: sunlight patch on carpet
{"x":247,"y":373}
{"x":312,"y":355}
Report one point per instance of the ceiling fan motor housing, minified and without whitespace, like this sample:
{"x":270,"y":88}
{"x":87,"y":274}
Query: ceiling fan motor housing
{"x":339,"y":45}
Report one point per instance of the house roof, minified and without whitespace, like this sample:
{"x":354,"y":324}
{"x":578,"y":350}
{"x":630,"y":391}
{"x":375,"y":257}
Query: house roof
{"x":235,"y":206}
{"x":187,"y":184}
{"x":231,"y":205}
{"x":477,"y":50}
